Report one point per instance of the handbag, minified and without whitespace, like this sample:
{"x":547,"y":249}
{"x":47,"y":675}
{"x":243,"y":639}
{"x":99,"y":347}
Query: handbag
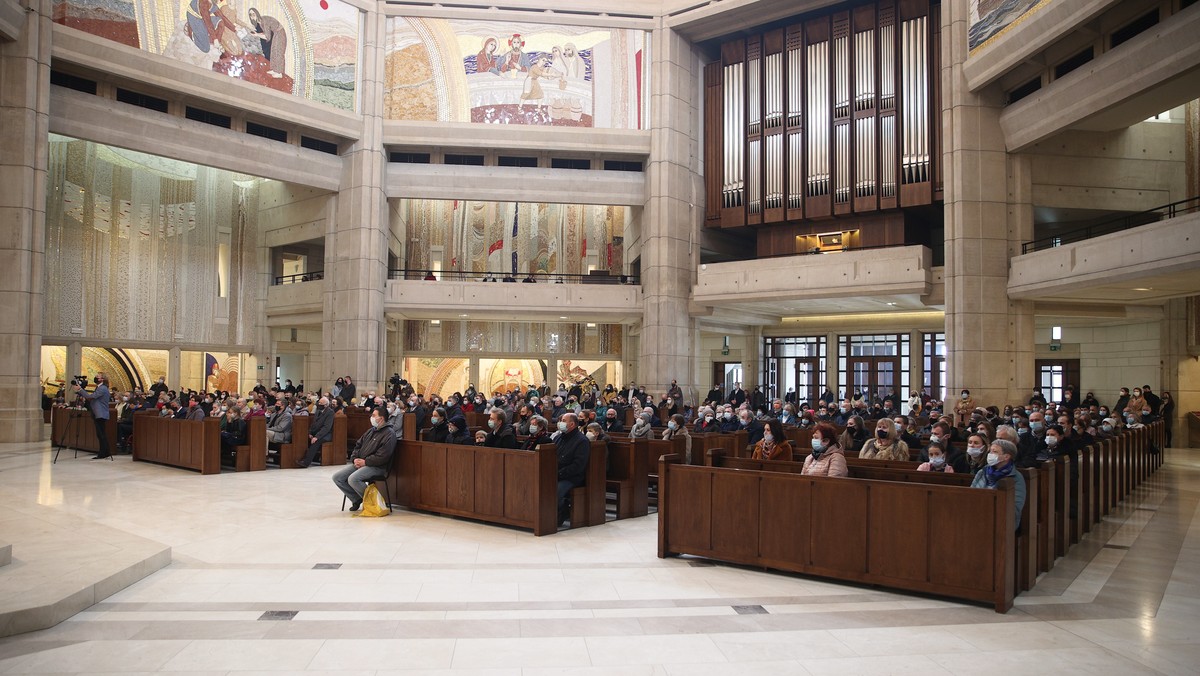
{"x":373,"y":503}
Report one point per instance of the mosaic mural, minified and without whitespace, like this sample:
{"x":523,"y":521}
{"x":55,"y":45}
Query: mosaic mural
{"x":517,"y":237}
{"x":490,"y":72}
{"x":308,"y":48}
{"x":991,"y":18}
{"x":126,"y":368}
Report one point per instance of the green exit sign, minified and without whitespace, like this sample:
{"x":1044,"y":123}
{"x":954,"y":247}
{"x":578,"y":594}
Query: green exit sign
{"x":1054,"y":347}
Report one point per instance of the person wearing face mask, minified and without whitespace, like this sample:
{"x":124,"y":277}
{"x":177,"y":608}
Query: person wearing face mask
{"x":976,"y":453}
{"x":937,"y":460}
{"x":125,"y":409}
{"x":573,"y":452}
{"x":612,"y":422}
{"x":789,"y":417}
{"x":773,"y":445}
{"x":1000,"y":465}
{"x":279,"y":425}
{"x":855,"y":435}
{"x":907,"y":431}
{"x":754,"y":429}
{"x":395,"y":411}
{"x":705,"y":421}
{"x":539,"y":433}
{"x":521,"y":424}
{"x":842,"y":415}
{"x":500,"y":434}
{"x":1133,"y":420}
{"x":457,"y":431}
{"x":886,"y":445}
{"x":827,"y":457}
{"x":368,"y":461}
{"x":1167,"y":411}
{"x":596,"y":433}
{"x":641,"y":427}
{"x":1107,"y":429}
{"x":320,"y":432}
{"x":1136,"y":402}
{"x":194,"y":412}
{"x":677,"y":428}
{"x":963,"y":408}
{"x":439,"y":428}
{"x":728,"y":421}
{"x":941,"y":433}
{"x":1152,"y":399}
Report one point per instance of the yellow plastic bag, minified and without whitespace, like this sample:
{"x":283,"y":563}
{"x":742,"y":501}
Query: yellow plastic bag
{"x":373,"y":504}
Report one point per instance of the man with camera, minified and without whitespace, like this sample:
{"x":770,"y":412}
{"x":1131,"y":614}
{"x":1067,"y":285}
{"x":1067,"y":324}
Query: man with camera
{"x":98,"y":405}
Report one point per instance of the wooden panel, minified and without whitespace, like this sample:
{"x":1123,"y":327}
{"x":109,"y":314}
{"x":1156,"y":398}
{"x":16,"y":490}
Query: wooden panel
{"x":489,"y":484}
{"x":433,"y":475}
{"x":964,"y":541}
{"x":689,"y":508}
{"x":784,"y":539}
{"x":735,"y":513}
{"x":900,"y":523}
{"x":460,"y":477}
{"x":839,"y":531}
{"x":174,"y":432}
{"x":520,"y":491}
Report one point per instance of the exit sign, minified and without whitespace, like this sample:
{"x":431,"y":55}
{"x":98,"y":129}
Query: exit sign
{"x":1055,"y":347}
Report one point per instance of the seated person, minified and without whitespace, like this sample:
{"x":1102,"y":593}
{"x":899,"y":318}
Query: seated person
{"x":789,"y":417}
{"x":521,"y":424}
{"x":396,"y":413}
{"x":706,"y":422}
{"x":937,"y":460}
{"x":677,"y":428}
{"x":500,"y":434}
{"x":439,"y":427}
{"x":368,"y":461}
{"x":827,"y":458}
{"x":976,"y":448}
{"x":855,"y":434}
{"x":234,"y":433}
{"x":641,"y":427}
{"x":886,"y":445}
{"x":908,"y":432}
{"x":596,"y":433}
{"x":538,"y":433}
{"x":573,"y":452}
{"x":279,"y":425}
{"x":320,"y":432}
{"x":773,"y":445}
{"x":754,"y":429}
{"x":1000,"y":464}
{"x":480,"y":438}
{"x":729,"y":422}
{"x":458,"y":433}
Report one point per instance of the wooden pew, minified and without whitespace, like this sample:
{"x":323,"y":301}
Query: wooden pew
{"x":498,"y":485}
{"x":293,"y":451}
{"x":848,"y":529}
{"x":252,"y":456}
{"x":358,"y":421}
{"x":1087,"y":468}
{"x":336,"y":452}
{"x":190,"y":444}
{"x":587,"y":501}
{"x":1062,"y":505}
{"x":1047,"y":504}
{"x":74,"y":428}
{"x":628,"y":476}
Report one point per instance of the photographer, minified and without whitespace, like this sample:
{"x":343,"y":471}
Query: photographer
{"x":98,"y":405}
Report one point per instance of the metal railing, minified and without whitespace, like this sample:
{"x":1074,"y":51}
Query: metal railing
{"x":314,"y":276}
{"x":528,"y":278}
{"x":1155,"y":215}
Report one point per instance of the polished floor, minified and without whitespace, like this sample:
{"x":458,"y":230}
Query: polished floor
{"x":268,"y":576}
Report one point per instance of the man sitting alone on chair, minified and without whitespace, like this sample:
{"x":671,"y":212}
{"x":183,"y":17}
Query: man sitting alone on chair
{"x":369,"y":461}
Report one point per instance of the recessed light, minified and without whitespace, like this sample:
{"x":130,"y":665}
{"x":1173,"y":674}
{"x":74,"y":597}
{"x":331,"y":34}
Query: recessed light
{"x":891,"y":304}
{"x":562,"y":317}
{"x":1142,"y":288}
{"x":435,"y":322}
{"x":464,"y":315}
{"x":591,"y":326}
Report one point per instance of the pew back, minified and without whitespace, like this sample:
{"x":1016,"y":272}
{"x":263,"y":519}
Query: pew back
{"x":190,"y":444}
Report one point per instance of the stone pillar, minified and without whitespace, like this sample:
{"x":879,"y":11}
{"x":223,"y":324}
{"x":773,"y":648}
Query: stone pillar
{"x":174,"y":369}
{"x":832,"y":380}
{"x":752,"y":360}
{"x":24,"y":134}
{"x":356,"y":244}
{"x":395,"y":351}
{"x":473,"y":376}
{"x":75,"y":360}
{"x":671,"y":216}
{"x":981,"y":325}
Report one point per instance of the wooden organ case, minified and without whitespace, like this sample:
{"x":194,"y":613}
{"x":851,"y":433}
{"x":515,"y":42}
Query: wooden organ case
{"x":837,"y":115}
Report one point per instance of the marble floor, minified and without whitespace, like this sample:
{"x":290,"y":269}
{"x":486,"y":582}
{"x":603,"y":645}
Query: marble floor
{"x":268,"y":576}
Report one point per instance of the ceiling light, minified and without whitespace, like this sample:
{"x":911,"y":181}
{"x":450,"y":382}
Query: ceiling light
{"x":891,"y":304}
{"x":562,"y":317}
{"x":1143,"y":288}
{"x":435,"y":322}
{"x":464,"y":315}
{"x":591,"y":326}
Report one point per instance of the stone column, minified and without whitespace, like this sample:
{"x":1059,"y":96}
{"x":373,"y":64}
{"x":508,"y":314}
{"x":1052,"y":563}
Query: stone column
{"x":356,"y":244}
{"x":671,"y":216}
{"x":24,"y":134}
{"x":74,"y":360}
{"x":752,"y":360}
{"x":982,"y":326}
{"x":174,"y":369}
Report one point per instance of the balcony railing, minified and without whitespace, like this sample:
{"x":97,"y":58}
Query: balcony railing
{"x":1120,"y":224}
{"x":315,"y":276}
{"x":531,"y":278}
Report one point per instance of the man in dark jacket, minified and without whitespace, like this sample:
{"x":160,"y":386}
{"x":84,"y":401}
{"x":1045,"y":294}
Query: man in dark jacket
{"x":612,"y":423}
{"x":737,"y":396}
{"x":457,"y":432}
{"x":573,"y":451}
{"x":715,"y":396}
{"x":369,"y":461}
{"x":500,"y":433}
{"x":320,"y":432}
{"x":1153,"y":399}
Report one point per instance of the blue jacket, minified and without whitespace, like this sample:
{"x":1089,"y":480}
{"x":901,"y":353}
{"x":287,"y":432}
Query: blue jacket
{"x":97,"y":401}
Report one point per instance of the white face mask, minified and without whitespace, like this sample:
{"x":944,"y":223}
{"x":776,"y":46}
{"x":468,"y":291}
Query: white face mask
{"x":376,"y":422}
{"x":591,"y":436}
{"x":992,"y":459}
{"x":974,"y":451}
{"x":768,"y":437}
{"x":708,"y":418}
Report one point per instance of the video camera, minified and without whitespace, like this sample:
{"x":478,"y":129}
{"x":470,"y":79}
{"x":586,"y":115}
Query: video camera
{"x":395,"y":380}
{"x":81,"y":381}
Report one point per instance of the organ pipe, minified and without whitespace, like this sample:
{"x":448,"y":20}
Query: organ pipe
{"x":838,"y":108}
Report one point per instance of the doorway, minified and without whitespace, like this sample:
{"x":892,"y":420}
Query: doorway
{"x":1053,"y":376}
{"x":727,"y":373}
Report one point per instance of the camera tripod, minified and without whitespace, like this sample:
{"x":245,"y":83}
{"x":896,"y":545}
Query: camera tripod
{"x":68,"y":427}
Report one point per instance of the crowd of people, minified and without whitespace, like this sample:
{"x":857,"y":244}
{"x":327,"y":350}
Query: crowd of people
{"x":954,"y":437}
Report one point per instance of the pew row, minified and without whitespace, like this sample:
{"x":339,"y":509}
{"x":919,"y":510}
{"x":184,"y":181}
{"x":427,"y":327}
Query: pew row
{"x":860,"y":530}
{"x":189,"y":444}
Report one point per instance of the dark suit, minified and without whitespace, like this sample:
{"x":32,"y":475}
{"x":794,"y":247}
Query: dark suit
{"x":573,"y":451}
{"x":321,"y":428}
